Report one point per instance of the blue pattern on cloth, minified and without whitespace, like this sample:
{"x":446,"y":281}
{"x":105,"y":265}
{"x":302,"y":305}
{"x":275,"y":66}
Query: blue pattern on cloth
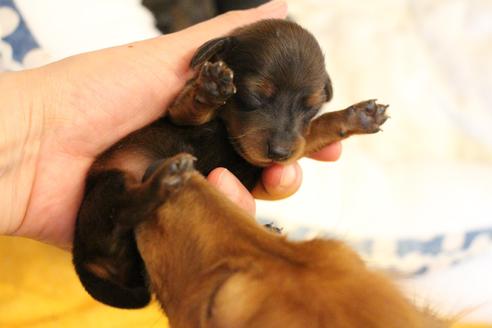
{"x":405,"y":256}
{"x":17,"y":40}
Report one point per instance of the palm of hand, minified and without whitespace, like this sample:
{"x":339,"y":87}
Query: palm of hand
{"x":107,"y":95}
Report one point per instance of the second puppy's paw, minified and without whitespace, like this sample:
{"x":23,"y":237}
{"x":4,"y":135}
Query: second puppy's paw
{"x":169,"y":174}
{"x":177,"y":170}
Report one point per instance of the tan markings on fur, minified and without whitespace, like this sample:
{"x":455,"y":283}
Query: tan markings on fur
{"x":325,"y":130}
{"x":316,"y":99}
{"x":101,"y":270}
{"x":130,"y":160}
{"x":259,"y":86}
{"x":196,"y":105}
{"x":185,"y":110}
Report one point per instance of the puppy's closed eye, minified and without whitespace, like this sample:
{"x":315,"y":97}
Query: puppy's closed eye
{"x":250,"y":101}
{"x":255,"y":93}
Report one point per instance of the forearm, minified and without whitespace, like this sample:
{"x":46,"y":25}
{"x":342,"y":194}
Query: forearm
{"x":20,"y":131}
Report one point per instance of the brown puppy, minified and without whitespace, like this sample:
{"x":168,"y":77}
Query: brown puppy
{"x":174,"y":15}
{"x":211,"y":266}
{"x":251,"y":104}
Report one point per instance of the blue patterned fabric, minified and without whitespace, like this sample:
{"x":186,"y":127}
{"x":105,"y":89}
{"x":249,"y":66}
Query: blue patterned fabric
{"x":16,"y":39}
{"x":406,"y":256}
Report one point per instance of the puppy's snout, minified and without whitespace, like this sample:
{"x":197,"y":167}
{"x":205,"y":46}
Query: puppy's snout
{"x":280,"y":146}
{"x":279,"y":151}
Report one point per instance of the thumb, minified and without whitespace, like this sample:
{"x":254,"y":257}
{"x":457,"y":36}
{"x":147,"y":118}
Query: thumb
{"x":230,"y":186}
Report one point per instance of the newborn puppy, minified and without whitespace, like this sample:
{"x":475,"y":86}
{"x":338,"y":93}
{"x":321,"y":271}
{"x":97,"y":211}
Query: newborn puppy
{"x":251,"y":104}
{"x":211,"y":266}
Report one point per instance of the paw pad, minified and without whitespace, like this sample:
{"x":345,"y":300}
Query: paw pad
{"x":216,"y":81}
{"x":175,"y":171}
{"x":367,"y":116}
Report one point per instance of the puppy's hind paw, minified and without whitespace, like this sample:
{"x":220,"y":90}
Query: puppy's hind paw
{"x":171,"y":173}
{"x":366,"y":117}
{"x":176,"y":170}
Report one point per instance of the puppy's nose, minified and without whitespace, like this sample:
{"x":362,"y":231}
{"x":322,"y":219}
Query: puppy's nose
{"x":278,"y":152}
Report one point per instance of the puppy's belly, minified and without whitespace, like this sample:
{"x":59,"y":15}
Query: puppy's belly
{"x":131,"y":161}
{"x":208,"y":143}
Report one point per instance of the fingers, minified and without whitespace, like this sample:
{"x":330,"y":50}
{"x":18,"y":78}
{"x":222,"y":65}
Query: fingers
{"x":278,"y":182}
{"x":330,"y":153}
{"x":227,"y":183}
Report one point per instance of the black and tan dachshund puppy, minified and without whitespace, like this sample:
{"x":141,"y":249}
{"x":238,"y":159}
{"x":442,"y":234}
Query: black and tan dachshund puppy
{"x":252,"y":103}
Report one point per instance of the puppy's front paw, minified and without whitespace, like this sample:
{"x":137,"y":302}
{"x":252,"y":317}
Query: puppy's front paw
{"x":215,"y":83}
{"x":366,"y":117}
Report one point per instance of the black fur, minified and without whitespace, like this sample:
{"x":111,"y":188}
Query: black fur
{"x":174,"y":15}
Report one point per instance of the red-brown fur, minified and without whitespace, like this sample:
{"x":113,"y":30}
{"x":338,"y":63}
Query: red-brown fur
{"x":210,"y":265}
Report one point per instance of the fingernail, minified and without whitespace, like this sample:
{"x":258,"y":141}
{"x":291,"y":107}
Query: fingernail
{"x":288,"y":177}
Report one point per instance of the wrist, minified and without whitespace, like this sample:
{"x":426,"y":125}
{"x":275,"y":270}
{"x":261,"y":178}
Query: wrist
{"x":21,"y":125}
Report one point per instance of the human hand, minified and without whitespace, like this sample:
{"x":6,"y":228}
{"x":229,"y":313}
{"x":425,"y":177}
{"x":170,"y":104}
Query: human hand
{"x":277,"y":181}
{"x":78,"y":107}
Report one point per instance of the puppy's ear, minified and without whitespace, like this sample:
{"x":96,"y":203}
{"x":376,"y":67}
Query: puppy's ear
{"x":214,"y":47}
{"x":328,"y":89}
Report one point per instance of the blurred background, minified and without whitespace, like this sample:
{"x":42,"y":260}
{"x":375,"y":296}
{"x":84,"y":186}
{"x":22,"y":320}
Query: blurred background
{"x":415,"y":200}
